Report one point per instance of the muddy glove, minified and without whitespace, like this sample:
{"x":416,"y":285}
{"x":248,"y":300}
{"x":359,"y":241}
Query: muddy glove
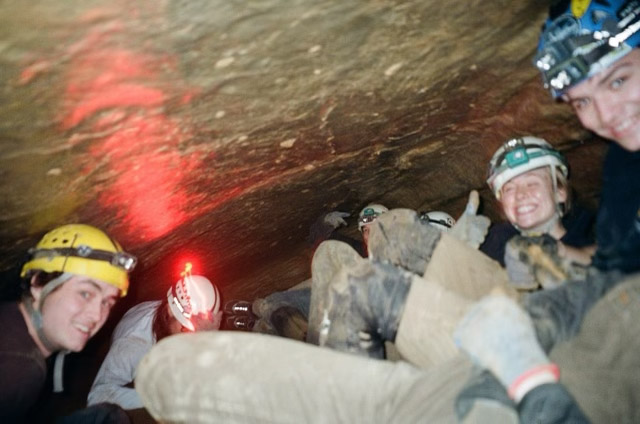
{"x":336,"y":219}
{"x":470,"y":227}
{"x":498,"y":335}
{"x":540,"y":254}
{"x":518,"y":269}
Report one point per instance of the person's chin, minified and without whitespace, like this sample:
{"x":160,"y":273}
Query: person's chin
{"x":78,"y":344}
{"x":629,"y":139}
{"x":77,"y":347}
{"x":631,"y":144}
{"x":527,"y":224}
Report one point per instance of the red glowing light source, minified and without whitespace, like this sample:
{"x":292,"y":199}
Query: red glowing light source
{"x":187,"y":269}
{"x":187,"y":264}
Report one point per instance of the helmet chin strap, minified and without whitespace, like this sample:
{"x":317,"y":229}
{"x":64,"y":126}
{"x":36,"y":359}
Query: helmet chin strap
{"x":35,"y":316}
{"x":36,"y":321}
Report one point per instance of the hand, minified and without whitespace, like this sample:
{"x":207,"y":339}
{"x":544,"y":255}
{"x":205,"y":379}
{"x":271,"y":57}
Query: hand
{"x":499,"y":335}
{"x":336,"y":218}
{"x":207,"y":321}
{"x":471,"y":228}
{"x":541,"y":256}
{"x":521,"y":276}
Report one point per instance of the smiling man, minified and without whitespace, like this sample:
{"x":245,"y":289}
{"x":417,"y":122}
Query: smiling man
{"x":589,"y":57}
{"x":609,"y":103}
{"x":71,"y":281}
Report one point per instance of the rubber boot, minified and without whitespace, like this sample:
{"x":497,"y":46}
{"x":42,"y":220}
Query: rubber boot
{"x":399,"y":237}
{"x":329,"y":258}
{"x":364,"y":306}
{"x":237,"y":307}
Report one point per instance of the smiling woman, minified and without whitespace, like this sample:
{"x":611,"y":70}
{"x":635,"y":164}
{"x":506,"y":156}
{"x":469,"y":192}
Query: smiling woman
{"x":74,"y":276}
{"x":530,"y":180}
{"x":529,"y":201}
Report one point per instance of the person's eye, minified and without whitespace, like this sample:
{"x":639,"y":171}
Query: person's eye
{"x":85,"y":294}
{"x":617,"y":83}
{"x":580,"y":104}
{"x":108,"y":303}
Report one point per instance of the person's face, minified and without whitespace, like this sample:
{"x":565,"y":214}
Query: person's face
{"x":609,"y":102}
{"x":75,"y":311}
{"x":365,"y":234}
{"x":201,"y":322}
{"x":528,"y":200}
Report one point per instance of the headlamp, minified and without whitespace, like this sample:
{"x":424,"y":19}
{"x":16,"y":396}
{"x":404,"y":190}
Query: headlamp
{"x":368,"y":219}
{"x":425,"y":218}
{"x":517,"y":153}
{"x":121,"y":260}
{"x":368,"y":216}
{"x":571,"y":53}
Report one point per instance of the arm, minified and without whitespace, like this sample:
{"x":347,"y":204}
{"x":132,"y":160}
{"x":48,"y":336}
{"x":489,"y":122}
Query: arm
{"x":580,"y":255}
{"x":323,"y":228}
{"x":22,"y":378}
{"x":117,"y":372}
{"x":558,"y":314}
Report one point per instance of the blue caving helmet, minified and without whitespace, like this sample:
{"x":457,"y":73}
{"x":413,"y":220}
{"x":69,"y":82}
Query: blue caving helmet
{"x":582,"y":37}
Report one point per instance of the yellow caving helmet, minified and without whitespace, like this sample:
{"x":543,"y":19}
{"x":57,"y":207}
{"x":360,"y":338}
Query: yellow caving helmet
{"x":82,"y":249}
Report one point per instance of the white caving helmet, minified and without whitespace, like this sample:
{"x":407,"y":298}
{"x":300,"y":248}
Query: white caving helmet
{"x":369,"y":213}
{"x":192,"y":295}
{"x":441,"y":220}
{"x":520,"y":155}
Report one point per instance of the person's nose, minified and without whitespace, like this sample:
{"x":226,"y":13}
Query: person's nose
{"x":521,"y":192}
{"x":95,"y":312}
{"x":605,"y":110}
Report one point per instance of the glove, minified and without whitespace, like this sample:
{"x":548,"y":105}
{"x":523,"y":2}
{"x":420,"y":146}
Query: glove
{"x":207,"y":321}
{"x":470,"y":227}
{"x":498,"y":335}
{"x":520,"y":273}
{"x":336,"y":219}
{"x":541,"y":256}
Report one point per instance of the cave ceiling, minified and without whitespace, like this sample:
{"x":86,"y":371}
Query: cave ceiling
{"x":218,"y":131}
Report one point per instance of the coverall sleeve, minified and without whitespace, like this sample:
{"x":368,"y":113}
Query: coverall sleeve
{"x":117,"y":372}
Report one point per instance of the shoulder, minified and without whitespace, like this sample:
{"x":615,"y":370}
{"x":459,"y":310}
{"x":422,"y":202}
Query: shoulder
{"x":495,"y":242}
{"x":580,"y":224}
{"x":141,"y":310}
{"x":137,"y":319}
{"x":620,"y":162}
{"x":21,"y":383}
{"x":15,"y":340}
{"x":23,"y":368}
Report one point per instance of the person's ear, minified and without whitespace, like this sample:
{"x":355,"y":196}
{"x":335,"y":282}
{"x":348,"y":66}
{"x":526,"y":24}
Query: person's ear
{"x":36,"y":290}
{"x":561,"y":194}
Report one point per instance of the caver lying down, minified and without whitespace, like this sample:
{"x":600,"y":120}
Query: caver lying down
{"x":590,"y":326}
